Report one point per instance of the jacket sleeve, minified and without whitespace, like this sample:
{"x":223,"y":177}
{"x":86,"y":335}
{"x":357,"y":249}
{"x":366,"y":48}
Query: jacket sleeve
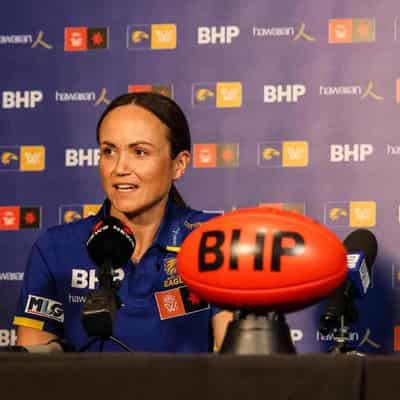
{"x":39,"y":304}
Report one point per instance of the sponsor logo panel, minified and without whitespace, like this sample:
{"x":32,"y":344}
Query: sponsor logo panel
{"x":212,"y":155}
{"x":14,"y":218}
{"x":154,"y":37}
{"x":217,"y":34}
{"x":284,"y":154}
{"x":369,"y":92}
{"x":78,"y":97}
{"x":217,"y":94}
{"x":354,"y":214}
{"x":21,"y":99}
{"x":22,"y":158}
{"x":80,"y":157}
{"x":11,"y":276}
{"x":289,"y":93}
{"x":73,"y":212}
{"x":350,"y":152}
{"x":79,"y":38}
{"x":165,"y":90}
{"x":351,"y":30}
{"x":300,"y":208}
{"x":293,"y":32}
{"x":34,"y":40}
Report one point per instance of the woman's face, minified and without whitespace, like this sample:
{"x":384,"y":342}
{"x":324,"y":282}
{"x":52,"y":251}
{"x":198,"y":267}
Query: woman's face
{"x":136,"y":168}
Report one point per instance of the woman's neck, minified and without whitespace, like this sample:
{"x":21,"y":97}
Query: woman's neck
{"x":144,"y":227}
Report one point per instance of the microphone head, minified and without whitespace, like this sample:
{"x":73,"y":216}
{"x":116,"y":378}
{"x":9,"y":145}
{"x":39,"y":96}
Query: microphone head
{"x":110,"y":241}
{"x":365,"y":241}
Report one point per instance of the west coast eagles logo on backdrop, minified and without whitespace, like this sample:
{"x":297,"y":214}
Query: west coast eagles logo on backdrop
{"x":22,"y":158}
{"x":217,"y":94}
{"x":154,"y":37}
{"x":73,"y":212}
{"x":355,"y":214}
{"x":283,"y":154}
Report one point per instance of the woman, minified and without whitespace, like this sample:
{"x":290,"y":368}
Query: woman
{"x":144,"y":144}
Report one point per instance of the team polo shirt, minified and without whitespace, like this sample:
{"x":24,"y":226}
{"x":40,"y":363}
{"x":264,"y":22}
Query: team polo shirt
{"x":158,"y":312}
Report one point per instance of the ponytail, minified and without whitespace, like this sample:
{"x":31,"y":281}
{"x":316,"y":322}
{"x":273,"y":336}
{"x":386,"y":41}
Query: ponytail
{"x":176,"y":197}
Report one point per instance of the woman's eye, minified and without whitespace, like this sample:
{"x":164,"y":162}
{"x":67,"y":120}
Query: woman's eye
{"x":140,"y":152}
{"x":107,"y":151}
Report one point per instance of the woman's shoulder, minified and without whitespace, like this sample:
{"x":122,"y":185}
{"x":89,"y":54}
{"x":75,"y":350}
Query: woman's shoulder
{"x":189,"y":216}
{"x":73,"y":231}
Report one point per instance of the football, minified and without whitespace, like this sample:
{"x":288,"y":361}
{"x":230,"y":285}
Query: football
{"x":262,"y":258}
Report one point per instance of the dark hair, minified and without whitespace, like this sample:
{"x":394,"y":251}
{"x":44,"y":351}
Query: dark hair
{"x":167,"y":111}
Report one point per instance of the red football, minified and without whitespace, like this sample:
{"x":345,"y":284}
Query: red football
{"x":262,"y":257}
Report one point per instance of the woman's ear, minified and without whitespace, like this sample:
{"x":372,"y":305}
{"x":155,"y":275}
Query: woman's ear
{"x":181,"y":162}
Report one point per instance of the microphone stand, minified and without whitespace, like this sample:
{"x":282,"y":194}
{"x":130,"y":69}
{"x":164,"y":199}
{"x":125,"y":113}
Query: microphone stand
{"x":99,"y":310}
{"x":341,"y":336}
{"x":258,"y":332}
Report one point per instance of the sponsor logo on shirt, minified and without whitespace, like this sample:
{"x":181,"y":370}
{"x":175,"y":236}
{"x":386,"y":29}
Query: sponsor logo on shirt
{"x":44,"y":307}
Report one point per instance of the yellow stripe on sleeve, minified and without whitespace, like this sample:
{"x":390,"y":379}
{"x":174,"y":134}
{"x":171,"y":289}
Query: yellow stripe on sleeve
{"x":28,"y":322}
{"x":173,"y":249}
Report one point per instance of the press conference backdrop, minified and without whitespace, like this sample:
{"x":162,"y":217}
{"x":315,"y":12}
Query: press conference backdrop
{"x":294,"y":103}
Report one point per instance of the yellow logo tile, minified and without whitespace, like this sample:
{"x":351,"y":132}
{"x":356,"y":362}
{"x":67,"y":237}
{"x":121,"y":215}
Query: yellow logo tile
{"x":32,"y":158}
{"x":163,"y":36}
{"x":294,"y":154}
{"x":229,"y":94}
{"x":90,"y":209}
{"x":362,"y":214}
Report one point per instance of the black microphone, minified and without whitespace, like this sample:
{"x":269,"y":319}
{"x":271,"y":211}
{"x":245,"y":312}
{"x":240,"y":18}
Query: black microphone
{"x":110,"y":245}
{"x":362,"y":247}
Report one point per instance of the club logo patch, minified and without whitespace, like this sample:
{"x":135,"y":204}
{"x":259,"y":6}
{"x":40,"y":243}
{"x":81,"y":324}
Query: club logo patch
{"x":178,"y":302}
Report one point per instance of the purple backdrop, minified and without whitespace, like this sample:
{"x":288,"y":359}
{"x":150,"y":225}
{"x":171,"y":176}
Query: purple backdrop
{"x":293,"y":104}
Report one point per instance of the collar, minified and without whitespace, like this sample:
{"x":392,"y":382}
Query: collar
{"x":170,"y":227}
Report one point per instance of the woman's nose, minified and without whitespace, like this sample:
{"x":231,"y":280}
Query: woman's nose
{"x":122,"y":165}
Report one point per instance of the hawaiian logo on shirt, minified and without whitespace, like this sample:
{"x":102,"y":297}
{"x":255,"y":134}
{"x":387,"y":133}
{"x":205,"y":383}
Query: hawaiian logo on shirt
{"x":190,"y":225}
{"x":44,"y":307}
